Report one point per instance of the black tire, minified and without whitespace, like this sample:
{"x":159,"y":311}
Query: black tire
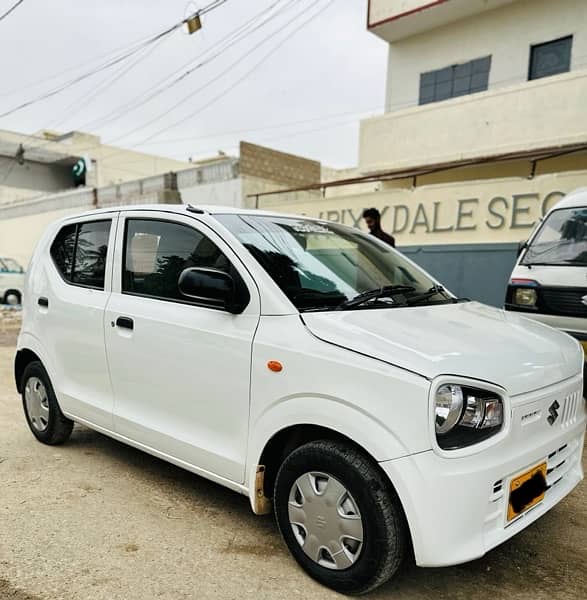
{"x":59,"y":427}
{"x":14,"y":294}
{"x":384,"y":525}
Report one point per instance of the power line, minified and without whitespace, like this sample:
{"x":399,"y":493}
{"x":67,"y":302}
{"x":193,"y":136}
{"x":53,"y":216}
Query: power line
{"x":112,"y":62}
{"x":179,"y":75}
{"x":194,"y":138}
{"x":12,"y":8}
{"x":242,"y":31}
{"x":224,"y":72}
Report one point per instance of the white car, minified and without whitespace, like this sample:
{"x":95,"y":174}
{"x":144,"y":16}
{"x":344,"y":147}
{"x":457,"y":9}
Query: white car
{"x":11,"y":281}
{"x":312,"y":368}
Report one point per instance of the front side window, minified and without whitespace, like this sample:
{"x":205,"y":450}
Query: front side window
{"x":550,"y":58}
{"x":156,"y":253}
{"x":561,"y":240}
{"x":457,"y":80}
{"x":79,"y":252}
{"x":324,"y":266}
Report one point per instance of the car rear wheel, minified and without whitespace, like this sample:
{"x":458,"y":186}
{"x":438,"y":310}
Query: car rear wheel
{"x":340,"y":518}
{"x":12,"y":297}
{"x":42,"y":412}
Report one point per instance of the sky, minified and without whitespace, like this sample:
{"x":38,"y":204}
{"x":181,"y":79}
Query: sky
{"x":295,"y":75}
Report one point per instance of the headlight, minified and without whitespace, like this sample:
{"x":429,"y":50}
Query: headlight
{"x":525,"y":296}
{"x":464,"y":415}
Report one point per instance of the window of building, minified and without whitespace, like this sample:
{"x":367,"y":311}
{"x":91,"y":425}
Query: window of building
{"x":156,"y":252}
{"x":458,"y":80}
{"x":550,"y":58}
{"x":79,"y":252}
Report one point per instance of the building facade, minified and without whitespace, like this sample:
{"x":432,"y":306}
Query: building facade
{"x":221,"y":180}
{"x":484,"y":129}
{"x":31,"y":165}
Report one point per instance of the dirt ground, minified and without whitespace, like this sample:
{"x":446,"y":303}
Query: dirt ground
{"x":96,"y":520}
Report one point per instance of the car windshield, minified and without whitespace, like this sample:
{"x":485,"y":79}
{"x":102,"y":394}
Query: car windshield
{"x":322,"y":266}
{"x":9,"y":264}
{"x":561,"y":240}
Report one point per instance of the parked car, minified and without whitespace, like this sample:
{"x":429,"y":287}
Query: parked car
{"x":311,"y":367}
{"x":549,"y":281}
{"x":11,"y":281}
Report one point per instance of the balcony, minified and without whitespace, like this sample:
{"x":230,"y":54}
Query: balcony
{"x":546,"y":113}
{"x":393,"y":20}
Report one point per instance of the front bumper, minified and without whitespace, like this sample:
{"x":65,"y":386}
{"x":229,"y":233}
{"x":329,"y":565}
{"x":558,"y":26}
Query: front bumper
{"x":457,"y":507}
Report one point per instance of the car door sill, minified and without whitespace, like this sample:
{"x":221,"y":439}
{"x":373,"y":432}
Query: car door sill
{"x":237,"y":487}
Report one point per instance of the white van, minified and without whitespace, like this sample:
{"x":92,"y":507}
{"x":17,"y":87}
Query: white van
{"x":549,"y":281}
{"x":310,"y":367}
{"x":11,"y":281}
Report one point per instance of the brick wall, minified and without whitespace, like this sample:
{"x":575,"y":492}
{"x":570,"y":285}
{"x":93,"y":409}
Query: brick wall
{"x":287,"y":169}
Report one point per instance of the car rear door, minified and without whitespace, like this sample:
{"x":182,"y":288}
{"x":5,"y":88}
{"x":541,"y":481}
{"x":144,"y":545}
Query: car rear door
{"x":68,"y":298}
{"x":180,"y":369}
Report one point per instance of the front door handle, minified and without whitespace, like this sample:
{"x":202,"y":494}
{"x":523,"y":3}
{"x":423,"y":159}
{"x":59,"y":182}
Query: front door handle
{"x":125,"y":322}
{"x":44,"y":302}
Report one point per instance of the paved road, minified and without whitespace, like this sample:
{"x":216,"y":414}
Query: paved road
{"x":96,"y":520}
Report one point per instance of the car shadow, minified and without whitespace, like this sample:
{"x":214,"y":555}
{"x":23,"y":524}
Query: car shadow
{"x":537,"y":563}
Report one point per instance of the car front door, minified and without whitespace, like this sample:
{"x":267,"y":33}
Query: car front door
{"x":180,"y":368}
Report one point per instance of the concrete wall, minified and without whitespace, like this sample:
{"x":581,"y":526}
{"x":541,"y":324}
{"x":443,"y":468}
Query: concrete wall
{"x":220,"y":193}
{"x":506,"y":33}
{"x":549,"y":112}
{"x":476,"y":271}
{"x":469,"y":212}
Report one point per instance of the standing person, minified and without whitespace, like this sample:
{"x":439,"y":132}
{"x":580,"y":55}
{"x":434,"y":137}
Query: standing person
{"x":373,"y":220}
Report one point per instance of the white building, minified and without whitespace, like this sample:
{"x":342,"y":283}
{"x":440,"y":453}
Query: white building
{"x":485,"y":128}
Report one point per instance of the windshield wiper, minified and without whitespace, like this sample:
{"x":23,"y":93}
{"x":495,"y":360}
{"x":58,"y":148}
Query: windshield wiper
{"x":433,"y":291}
{"x":386,"y":291}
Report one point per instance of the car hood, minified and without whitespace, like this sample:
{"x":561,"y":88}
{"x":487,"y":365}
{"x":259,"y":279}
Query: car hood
{"x":467,"y":339}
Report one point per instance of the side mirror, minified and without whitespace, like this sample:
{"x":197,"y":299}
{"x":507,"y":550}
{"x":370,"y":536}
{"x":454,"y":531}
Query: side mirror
{"x":213,"y":287}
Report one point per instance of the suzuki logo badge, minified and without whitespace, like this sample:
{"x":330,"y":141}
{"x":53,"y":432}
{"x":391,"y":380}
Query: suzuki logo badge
{"x":553,"y":410}
{"x":584,"y":300}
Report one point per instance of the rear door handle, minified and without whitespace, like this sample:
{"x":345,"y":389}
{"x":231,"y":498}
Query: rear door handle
{"x":125,"y":322}
{"x":44,"y":302}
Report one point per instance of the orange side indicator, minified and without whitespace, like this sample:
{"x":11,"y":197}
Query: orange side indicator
{"x":275,"y":366}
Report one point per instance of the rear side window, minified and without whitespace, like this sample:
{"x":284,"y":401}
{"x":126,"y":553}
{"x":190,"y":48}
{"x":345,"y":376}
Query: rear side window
{"x":89,"y":266}
{"x":156,"y":252}
{"x":79,"y":252}
{"x":62,"y":250}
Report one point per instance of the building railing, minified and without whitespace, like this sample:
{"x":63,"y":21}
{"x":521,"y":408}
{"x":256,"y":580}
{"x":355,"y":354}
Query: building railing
{"x":221,"y":171}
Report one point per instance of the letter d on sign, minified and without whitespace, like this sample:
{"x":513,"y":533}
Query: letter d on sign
{"x":406,"y":216}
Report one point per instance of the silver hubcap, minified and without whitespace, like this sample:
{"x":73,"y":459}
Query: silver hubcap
{"x":12,"y":299}
{"x":325,"y":520}
{"x":37,"y":403}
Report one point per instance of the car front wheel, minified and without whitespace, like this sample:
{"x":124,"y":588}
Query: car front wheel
{"x":340,"y":518}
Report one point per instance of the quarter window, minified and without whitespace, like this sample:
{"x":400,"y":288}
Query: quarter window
{"x":550,"y":58}
{"x":457,"y":80}
{"x":156,"y":252}
{"x":79,"y":252}
{"x":62,"y":250}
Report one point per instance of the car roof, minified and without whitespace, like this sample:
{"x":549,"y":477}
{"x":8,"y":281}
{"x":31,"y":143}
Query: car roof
{"x":575,"y":199}
{"x":189,"y":209}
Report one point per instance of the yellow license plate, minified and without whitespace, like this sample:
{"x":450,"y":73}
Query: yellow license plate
{"x":584,"y":344}
{"x":526,"y":491}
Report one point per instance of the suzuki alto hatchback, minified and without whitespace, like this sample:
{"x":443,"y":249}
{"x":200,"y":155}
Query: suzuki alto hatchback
{"x":312,"y":368}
